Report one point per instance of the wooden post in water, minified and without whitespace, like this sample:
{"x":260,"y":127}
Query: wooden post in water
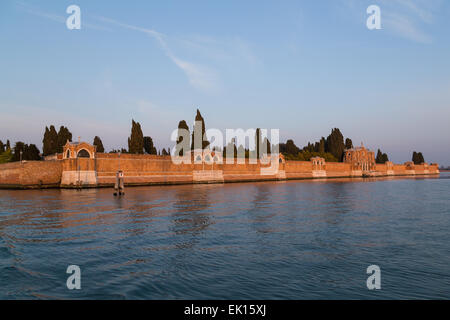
{"x":119,"y":188}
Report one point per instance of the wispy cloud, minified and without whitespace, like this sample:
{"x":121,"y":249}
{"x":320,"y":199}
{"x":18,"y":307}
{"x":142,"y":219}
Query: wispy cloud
{"x":409,"y":18}
{"x":405,"y":27}
{"x":217,"y":53}
{"x":200,"y":77}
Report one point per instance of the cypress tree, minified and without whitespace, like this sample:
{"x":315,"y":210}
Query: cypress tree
{"x":148,"y":145}
{"x":379,"y":158}
{"x":136,"y":139}
{"x":230,"y":146}
{"x":267,"y":144}
{"x":46,"y":145}
{"x":2,"y":147}
{"x":348,"y":143}
{"x":53,"y":138}
{"x":241,"y":152}
{"x":335,"y":144}
{"x":291,"y":148}
{"x":18,"y":147}
{"x":322,"y":145}
{"x":50,"y":141}
{"x":99,"y":144}
{"x":257,"y":142}
{"x":181,"y":144}
{"x":420,"y":158}
{"x":63,"y":135}
{"x":29,"y":152}
{"x":8,"y":145}
{"x":200,"y":130}
{"x":415,"y":158}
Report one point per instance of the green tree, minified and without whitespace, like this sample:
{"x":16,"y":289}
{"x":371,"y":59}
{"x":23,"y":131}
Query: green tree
{"x":420,"y":158}
{"x":46,"y":144}
{"x":379,"y":157}
{"x":335,"y":144}
{"x":199,"y":131}
{"x":267,"y":144}
{"x":230,"y":146}
{"x":2,"y":147}
{"x":29,"y":152}
{"x":348,"y":143}
{"x":321,"y":148}
{"x":258,"y":139}
{"x":18,"y":148}
{"x":136,"y":139}
{"x":63,"y":136}
{"x":32,"y":152}
{"x":50,"y":141}
{"x":291,"y":148}
{"x":8,"y":146}
{"x":148,"y":145}
{"x":181,"y":144}
{"x":6,"y":156}
{"x":99,"y":144}
{"x":241,"y":152}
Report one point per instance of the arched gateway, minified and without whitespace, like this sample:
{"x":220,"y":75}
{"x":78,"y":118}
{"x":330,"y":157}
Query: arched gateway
{"x":72,"y":150}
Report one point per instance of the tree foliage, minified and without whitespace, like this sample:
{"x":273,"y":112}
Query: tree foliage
{"x":50,"y":141}
{"x":348,"y":143}
{"x":230,"y":148}
{"x":148,"y":146}
{"x":54,"y":141}
{"x":99,"y":144}
{"x":335,"y":144}
{"x":29,"y":152}
{"x":381,"y":157}
{"x":181,"y":144}
{"x":63,"y":136}
{"x":291,"y":148}
{"x":6,"y":156}
{"x":136,"y":139}
{"x":199,"y":131}
{"x":418,"y":158}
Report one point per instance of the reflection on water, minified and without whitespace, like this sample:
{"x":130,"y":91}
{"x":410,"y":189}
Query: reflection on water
{"x":293,"y":240}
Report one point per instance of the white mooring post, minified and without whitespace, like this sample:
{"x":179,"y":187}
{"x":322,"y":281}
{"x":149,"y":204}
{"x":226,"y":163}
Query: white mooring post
{"x":119,"y":188}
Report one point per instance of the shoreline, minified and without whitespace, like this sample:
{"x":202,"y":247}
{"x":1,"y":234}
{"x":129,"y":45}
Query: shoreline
{"x":160,"y":184}
{"x":101,"y":170}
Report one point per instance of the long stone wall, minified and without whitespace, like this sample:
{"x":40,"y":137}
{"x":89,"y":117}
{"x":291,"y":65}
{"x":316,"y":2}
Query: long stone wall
{"x":31,"y":174}
{"x":154,"y":170}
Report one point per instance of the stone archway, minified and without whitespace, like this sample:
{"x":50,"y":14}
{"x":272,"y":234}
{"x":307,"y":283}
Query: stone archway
{"x":83,"y":153}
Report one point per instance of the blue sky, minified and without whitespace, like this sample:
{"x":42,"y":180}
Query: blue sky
{"x":301,"y":66}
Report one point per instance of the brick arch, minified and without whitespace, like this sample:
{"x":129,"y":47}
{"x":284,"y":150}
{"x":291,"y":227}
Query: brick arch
{"x":83,"y":153}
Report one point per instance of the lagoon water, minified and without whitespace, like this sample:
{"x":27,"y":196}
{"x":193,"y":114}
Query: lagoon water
{"x":269,"y":240}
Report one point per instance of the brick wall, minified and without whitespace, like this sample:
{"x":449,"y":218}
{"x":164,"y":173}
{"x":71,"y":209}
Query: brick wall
{"x":31,"y":174}
{"x":150,"y":169}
